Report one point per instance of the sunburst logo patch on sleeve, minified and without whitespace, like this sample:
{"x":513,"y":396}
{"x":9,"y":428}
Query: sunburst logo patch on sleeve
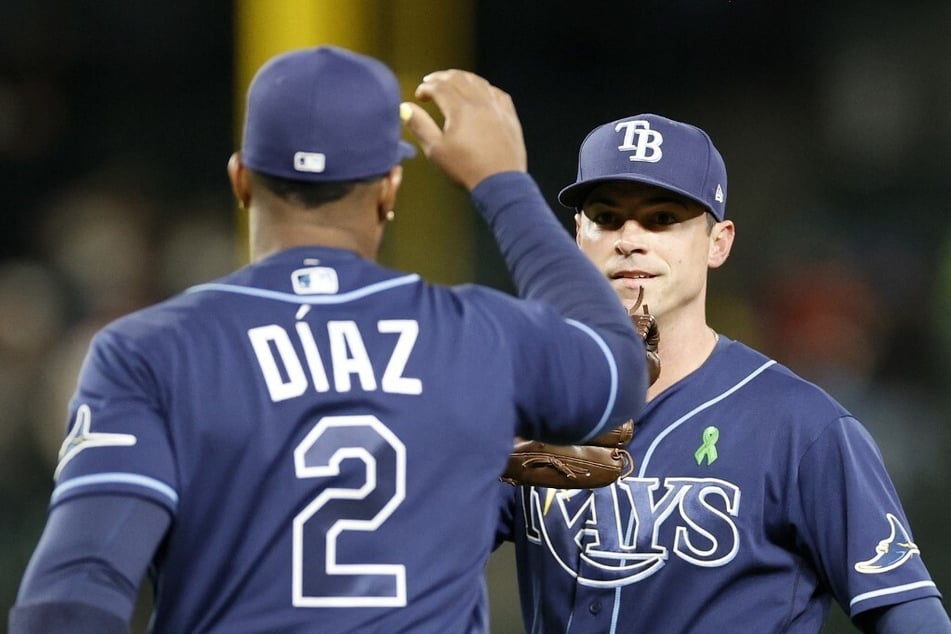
{"x":891,"y":552}
{"x":81,"y":437}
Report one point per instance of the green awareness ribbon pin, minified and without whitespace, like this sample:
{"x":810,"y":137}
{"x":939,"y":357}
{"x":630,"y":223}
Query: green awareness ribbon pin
{"x":708,"y":449}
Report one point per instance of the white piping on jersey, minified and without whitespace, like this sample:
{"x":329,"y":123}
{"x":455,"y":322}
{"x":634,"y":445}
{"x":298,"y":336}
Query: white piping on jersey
{"x":612,"y":369}
{"x":894,"y":590}
{"x":713,"y":401}
{"x":677,"y":423}
{"x":115,"y":478}
{"x":308,"y":299}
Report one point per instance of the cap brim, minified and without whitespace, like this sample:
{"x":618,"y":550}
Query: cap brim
{"x":573,"y":196}
{"x":406,"y":151}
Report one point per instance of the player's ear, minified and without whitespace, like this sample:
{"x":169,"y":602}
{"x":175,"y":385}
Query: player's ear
{"x":389,"y":190}
{"x":721,"y":242}
{"x":578,"y":228}
{"x":238,"y":175}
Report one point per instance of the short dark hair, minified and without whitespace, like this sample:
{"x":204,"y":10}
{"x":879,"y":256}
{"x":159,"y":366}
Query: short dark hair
{"x":307,"y":194}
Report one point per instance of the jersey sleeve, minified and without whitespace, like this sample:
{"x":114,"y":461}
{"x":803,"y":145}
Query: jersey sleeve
{"x":547,"y":267}
{"x":78,"y":568}
{"x":918,"y":615}
{"x":853,"y":524}
{"x":67,"y":617}
{"x":118,"y":440}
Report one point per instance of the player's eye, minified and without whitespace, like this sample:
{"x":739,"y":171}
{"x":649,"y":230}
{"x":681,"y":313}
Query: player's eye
{"x":664,"y":218}
{"x":606,"y":219}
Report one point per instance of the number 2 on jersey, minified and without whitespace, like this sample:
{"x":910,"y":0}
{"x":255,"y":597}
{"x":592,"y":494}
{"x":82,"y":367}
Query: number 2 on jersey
{"x":368,"y":465}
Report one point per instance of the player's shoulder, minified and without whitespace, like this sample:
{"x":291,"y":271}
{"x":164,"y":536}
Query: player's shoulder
{"x":785,"y":409}
{"x":182,"y":313}
{"x":778,"y":384}
{"x":157,"y":321}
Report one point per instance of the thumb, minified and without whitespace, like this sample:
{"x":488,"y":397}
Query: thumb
{"x":426,"y":131}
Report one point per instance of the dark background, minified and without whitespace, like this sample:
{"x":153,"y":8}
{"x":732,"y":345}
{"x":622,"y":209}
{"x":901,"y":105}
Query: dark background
{"x":117,"y":118}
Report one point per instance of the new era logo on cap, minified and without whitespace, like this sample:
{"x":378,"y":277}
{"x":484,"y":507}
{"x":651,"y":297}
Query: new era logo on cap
{"x":655,"y":150}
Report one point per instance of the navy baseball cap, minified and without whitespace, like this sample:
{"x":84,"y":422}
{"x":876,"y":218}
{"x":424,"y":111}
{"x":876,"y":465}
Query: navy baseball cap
{"x":323,"y":114}
{"x":648,"y":148}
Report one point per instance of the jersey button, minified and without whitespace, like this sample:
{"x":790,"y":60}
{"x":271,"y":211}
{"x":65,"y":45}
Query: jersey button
{"x":595,"y":607}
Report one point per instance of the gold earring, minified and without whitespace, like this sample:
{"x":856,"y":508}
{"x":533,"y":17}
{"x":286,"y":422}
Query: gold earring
{"x":390,"y":215}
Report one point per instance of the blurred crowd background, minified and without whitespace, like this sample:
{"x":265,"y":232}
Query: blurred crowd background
{"x":834,"y":118}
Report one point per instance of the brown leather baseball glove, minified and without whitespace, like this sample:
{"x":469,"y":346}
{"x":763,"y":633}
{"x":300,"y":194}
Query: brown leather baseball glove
{"x":646,"y":327}
{"x":600,"y":461}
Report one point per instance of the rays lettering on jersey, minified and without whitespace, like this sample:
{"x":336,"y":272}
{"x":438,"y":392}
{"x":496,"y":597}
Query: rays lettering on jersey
{"x":283,"y":369}
{"x":626,"y":532}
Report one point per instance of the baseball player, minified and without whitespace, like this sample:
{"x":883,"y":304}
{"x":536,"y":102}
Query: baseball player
{"x":755,"y":498}
{"x":272,"y":446}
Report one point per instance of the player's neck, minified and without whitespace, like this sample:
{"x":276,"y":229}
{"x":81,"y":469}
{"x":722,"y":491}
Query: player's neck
{"x":272,"y":233}
{"x":684,"y":346}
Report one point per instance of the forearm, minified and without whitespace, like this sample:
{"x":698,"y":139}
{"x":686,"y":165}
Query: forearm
{"x":547,"y":266}
{"x":62,"y":616}
{"x":78,"y":564}
{"x":543,"y":260}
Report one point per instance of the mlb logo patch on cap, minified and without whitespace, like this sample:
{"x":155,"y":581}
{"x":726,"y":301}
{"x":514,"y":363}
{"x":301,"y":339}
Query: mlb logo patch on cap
{"x":310,"y":162}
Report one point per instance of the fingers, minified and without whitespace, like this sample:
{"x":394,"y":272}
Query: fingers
{"x":452,"y":90}
{"x":426,"y":131}
{"x":453,"y":79}
{"x":480,"y":133}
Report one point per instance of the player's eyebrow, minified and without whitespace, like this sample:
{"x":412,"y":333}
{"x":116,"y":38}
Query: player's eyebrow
{"x":663,"y":199}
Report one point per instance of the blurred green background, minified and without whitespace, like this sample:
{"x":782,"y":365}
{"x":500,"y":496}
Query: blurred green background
{"x":834,"y":118}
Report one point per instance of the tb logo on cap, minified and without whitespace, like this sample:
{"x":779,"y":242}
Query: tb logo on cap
{"x":641,"y":140}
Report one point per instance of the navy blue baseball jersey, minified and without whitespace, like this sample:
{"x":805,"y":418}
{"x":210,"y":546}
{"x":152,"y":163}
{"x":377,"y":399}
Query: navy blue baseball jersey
{"x":755,"y":500}
{"x":326,"y":434}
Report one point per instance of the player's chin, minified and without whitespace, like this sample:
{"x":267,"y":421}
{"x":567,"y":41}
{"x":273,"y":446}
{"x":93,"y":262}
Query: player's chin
{"x":632,"y":285}
{"x":629,"y":295}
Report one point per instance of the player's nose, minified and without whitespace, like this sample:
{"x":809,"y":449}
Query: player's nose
{"x":632,"y":238}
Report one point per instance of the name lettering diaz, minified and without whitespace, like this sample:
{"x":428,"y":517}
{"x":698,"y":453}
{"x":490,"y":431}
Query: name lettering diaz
{"x":625,"y":532}
{"x":346,"y":356}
